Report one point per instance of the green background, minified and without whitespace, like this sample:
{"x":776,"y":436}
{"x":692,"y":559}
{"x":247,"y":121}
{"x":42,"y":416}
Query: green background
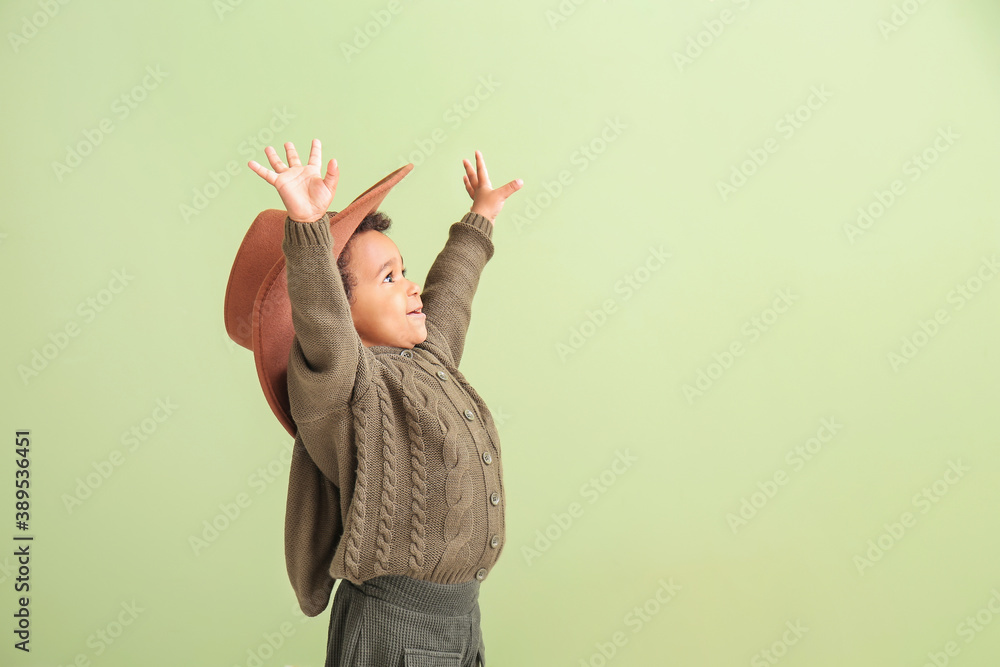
{"x":575,"y":368}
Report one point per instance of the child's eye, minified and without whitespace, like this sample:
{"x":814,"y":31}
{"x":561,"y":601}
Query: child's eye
{"x":389,"y":275}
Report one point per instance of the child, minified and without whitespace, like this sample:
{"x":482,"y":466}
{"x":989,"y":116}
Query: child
{"x":396,"y":485}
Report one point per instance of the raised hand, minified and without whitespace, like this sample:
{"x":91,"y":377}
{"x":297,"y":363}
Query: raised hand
{"x":306,"y":196}
{"x":486,"y":201}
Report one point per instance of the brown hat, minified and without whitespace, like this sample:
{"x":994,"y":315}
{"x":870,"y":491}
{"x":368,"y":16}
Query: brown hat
{"x":257,"y":310}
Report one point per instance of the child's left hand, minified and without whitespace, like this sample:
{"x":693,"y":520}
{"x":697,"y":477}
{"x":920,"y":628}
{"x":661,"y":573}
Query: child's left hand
{"x":486,"y":201}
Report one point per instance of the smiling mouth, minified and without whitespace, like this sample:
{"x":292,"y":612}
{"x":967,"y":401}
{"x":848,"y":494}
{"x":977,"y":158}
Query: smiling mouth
{"x":417,"y":312}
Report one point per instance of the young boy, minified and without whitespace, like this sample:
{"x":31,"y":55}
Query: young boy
{"x":410,"y":515}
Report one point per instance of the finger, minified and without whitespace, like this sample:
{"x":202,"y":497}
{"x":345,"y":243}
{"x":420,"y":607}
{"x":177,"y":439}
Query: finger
{"x":470,"y":174}
{"x":332,"y":174}
{"x":293,"y":155}
{"x":266,"y":174}
{"x":315,"y":153}
{"x":469,"y":188}
{"x":481,"y":168}
{"x":509,"y":189}
{"x":272,"y":157}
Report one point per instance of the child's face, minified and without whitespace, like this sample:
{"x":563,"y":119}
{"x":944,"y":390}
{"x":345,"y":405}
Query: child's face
{"x":383,"y":298}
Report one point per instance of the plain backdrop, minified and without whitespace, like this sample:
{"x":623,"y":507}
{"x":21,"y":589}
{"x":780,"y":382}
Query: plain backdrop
{"x":739,"y":333}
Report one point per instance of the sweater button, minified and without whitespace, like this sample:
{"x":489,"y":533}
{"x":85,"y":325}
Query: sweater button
{"x":470,"y":415}
{"x":487,"y":458}
{"x":442,"y":375}
{"x":481,"y":574}
{"x":494,"y":541}
{"x":406,"y":353}
{"x":495,"y":498}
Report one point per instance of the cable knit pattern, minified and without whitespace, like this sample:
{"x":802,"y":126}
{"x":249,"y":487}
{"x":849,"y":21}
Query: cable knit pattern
{"x":384,"y":539}
{"x":418,"y":467}
{"x":458,"y":492}
{"x":357,"y":523}
{"x":394,"y":435}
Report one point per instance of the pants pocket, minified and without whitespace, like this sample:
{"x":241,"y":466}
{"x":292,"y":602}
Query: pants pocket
{"x":420,"y":657}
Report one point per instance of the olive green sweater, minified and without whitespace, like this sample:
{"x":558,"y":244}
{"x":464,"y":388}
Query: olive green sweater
{"x":396,"y":462}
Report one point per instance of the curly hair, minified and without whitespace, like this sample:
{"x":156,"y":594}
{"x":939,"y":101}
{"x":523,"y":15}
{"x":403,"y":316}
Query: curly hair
{"x":377,"y":221}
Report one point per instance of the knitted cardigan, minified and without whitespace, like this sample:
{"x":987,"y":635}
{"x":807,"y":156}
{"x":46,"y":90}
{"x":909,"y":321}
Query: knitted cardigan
{"x":396,"y":461}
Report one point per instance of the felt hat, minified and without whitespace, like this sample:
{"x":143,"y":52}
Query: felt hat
{"x":258,"y":312}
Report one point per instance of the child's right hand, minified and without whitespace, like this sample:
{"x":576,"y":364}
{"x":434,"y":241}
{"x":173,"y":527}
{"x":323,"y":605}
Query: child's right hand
{"x":306,"y":196}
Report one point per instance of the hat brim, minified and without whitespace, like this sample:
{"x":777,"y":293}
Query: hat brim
{"x":273,"y":335}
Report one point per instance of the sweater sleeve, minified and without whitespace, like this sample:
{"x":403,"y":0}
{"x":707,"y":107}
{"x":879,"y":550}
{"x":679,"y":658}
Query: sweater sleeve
{"x":313,"y":528}
{"x":327,"y":360}
{"x":453,"y":279}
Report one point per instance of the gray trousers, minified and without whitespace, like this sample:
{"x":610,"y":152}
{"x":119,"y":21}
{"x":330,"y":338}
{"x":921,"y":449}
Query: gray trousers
{"x":397,"y":621}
